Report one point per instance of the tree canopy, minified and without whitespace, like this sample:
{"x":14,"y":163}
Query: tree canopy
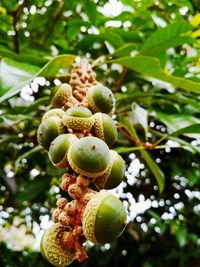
{"x":147,"y":53}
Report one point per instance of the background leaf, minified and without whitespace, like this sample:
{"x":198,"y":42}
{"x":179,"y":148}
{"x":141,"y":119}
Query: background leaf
{"x":141,"y":115}
{"x":169,"y":36}
{"x":151,"y":67}
{"x":49,"y":70}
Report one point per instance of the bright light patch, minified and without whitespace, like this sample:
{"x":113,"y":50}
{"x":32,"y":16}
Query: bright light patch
{"x":33,"y":10}
{"x":113,"y":23}
{"x":112,"y":8}
{"x":159,"y":21}
{"x":183,"y":10}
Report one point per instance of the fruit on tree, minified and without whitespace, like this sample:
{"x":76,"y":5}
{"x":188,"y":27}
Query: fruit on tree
{"x":104,"y":218}
{"x":78,"y":118}
{"x":59,"y":148}
{"x":100,"y":99}
{"x":52,"y":248}
{"x":104,"y":128}
{"x":48,"y":130}
{"x":89,"y":156}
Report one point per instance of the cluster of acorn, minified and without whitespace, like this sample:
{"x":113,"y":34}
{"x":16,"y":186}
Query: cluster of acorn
{"x":77,"y":133}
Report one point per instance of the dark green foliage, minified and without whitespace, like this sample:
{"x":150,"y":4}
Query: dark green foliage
{"x":150,"y":61}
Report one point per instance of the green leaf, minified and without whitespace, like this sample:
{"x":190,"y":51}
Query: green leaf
{"x":154,"y":214}
{"x":167,"y":37}
{"x":33,"y":189}
{"x":153,"y":166}
{"x":185,"y":145}
{"x":26,"y":155}
{"x":151,"y":67}
{"x":125,"y":50}
{"x":114,"y":39}
{"x":128,"y":36}
{"x":178,"y":98}
{"x":49,"y":70}
{"x":31,"y":107}
{"x":126,"y":150}
{"x":26,"y":57}
{"x":141,"y":115}
{"x":91,"y":11}
{"x":176,"y":122}
{"x":192,"y":129}
{"x":53,"y":66}
{"x":11,"y":119}
{"x":181,"y":236}
{"x":12,"y":72}
{"x":128,"y":126}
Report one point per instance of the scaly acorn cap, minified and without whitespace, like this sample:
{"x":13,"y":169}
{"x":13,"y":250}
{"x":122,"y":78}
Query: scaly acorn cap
{"x":59,"y":148}
{"x":57,"y":112}
{"x":60,"y":95}
{"x":114,"y":173}
{"x":104,"y":218}
{"x":100,"y":99}
{"x":51,"y":248}
{"x":78,"y":118}
{"x":48,"y":130}
{"x":89,"y":156}
{"x":104,"y":128}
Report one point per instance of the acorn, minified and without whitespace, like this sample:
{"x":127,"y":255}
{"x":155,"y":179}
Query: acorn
{"x":114,"y":173}
{"x":52,"y":249}
{"x":53,"y":112}
{"x":78,"y":118}
{"x":104,"y":128}
{"x":48,"y":130}
{"x":104,"y":218}
{"x":89,"y":156}
{"x":59,"y":148}
{"x":100,"y":99}
{"x":60,"y":95}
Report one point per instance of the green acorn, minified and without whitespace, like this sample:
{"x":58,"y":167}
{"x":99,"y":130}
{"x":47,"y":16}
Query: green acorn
{"x":78,"y":118}
{"x":89,"y":156}
{"x":104,"y":128}
{"x":100,"y":99}
{"x":60,"y":95}
{"x":57,"y":112}
{"x":59,"y":148}
{"x":48,"y":130}
{"x":114,"y":173}
{"x":52,"y":249}
{"x":104,"y":218}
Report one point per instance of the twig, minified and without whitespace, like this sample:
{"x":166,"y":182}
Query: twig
{"x":121,"y":80}
{"x":145,"y":145}
{"x":16,"y":16}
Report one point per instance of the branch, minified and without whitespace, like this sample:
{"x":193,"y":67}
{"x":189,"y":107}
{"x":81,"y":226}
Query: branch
{"x":16,"y":16}
{"x":121,"y":80}
{"x":145,"y":145}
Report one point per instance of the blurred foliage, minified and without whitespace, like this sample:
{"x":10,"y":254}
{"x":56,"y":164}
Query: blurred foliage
{"x":147,"y":52}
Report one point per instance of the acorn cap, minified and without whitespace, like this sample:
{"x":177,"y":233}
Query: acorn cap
{"x":51,"y":248}
{"x":100,"y":99}
{"x":104,"y":218}
{"x":60,"y":95}
{"x":78,"y":118}
{"x":104,"y":128}
{"x":114,"y":173}
{"x":53,"y":112}
{"x":48,"y":130}
{"x":89,"y":156}
{"x":59,"y":148}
